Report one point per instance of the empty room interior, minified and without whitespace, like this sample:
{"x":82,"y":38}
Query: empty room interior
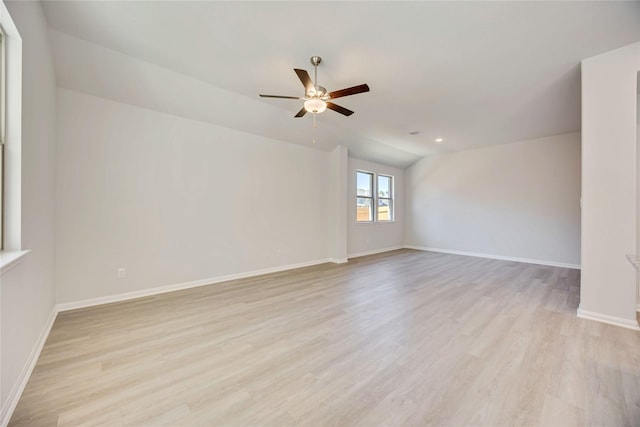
{"x":319,"y":213}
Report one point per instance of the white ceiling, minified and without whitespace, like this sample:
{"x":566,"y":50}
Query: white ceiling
{"x":475,"y":73}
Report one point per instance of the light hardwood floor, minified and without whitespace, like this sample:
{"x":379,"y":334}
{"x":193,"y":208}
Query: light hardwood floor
{"x":403,"y":338}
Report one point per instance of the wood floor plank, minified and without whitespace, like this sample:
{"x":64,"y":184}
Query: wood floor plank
{"x":401,"y":338}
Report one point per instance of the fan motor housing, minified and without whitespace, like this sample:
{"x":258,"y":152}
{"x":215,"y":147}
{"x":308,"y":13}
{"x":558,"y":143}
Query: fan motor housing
{"x":319,"y":92}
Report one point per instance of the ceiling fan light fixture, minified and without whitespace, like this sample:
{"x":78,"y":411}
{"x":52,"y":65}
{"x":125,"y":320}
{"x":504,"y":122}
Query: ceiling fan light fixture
{"x":315,"y":105}
{"x":316,"y":98}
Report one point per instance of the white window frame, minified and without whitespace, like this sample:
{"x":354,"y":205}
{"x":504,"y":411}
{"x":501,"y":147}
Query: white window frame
{"x":12,"y":251}
{"x":371,"y":198}
{"x":376,"y":197}
{"x":3,"y":109}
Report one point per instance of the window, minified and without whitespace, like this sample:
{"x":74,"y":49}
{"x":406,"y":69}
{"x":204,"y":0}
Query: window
{"x":374,"y":190}
{"x":364,"y":194}
{"x":385,"y":200}
{"x":10,"y":140}
{"x":2,"y":133}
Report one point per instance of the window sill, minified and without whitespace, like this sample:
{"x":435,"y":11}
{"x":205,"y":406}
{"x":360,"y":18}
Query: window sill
{"x":375,"y":222}
{"x":9,"y":259}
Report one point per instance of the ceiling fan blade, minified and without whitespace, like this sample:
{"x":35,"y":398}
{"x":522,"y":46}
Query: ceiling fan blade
{"x":305,"y":79}
{"x":339,"y":109}
{"x":279,"y":96}
{"x":301,"y":112}
{"x":349,"y":91}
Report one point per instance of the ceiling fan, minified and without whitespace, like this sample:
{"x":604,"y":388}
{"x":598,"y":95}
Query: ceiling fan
{"x":316,"y":98}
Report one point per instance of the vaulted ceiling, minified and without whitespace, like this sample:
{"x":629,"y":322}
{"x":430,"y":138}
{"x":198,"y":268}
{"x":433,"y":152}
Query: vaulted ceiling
{"x":474,"y":73}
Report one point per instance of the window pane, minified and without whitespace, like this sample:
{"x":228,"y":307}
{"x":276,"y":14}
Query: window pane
{"x":384,"y":186}
{"x":1,"y":194}
{"x":364,"y":184}
{"x":364,"y":210}
{"x":385,"y":210}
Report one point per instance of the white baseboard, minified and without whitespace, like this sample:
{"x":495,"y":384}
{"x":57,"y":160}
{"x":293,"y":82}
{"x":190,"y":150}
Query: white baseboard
{"x":338,"y":260}
{"x":180,"y":286}
{"x":23,"y":378}
{"x":375,"y":251}
{"x":500,"y":257}
{"x":611,"y":320}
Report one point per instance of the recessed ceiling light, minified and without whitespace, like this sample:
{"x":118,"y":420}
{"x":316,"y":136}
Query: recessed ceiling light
{"x":439,"y":140}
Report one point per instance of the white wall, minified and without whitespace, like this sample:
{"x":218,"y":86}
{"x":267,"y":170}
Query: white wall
{"x":518,"y":200}
{"x":338,"y":204}
{"x":174,"y":200}
{"x":364,"y":238}
{"x":27,"y":290}
{"x":609,"y":192}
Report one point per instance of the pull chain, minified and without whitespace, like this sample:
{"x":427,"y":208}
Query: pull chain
{"x":315,"y":125}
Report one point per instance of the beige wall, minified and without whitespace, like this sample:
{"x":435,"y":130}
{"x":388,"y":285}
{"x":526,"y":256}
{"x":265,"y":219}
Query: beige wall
{"x":27,"y":290}
{"x":373,"y":237}
{"x":174,"y":200}
{"x":609,"y":185}
{"x":518,"y":200}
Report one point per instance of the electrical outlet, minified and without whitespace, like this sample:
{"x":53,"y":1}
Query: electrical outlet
{"x":121,"y":273}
